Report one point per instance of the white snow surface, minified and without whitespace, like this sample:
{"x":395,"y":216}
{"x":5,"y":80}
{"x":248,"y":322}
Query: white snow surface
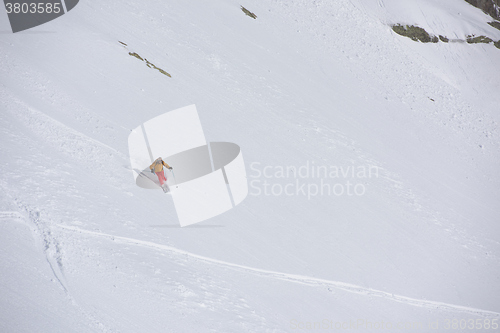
{"x":83,"y":249}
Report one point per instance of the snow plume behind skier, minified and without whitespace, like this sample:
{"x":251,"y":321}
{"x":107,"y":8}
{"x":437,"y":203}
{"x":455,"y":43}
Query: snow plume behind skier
{"x":157,"y":167}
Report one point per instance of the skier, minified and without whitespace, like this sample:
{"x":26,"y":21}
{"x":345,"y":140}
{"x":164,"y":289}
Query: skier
{"x":157,"y":167}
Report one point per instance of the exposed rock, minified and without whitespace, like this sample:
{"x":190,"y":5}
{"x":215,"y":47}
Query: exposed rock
{"x":415,"y":33}
{"x":490,"y":7}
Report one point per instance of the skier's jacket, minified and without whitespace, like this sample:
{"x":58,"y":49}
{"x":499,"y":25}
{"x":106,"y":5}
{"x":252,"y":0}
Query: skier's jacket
{"x":158,"y":164}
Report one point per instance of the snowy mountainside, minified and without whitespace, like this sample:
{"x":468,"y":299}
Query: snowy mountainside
{"x":306,"y":83}
{"x":455,"y":19}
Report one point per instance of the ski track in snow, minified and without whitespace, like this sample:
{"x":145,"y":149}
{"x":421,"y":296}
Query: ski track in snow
{"x":50,"y":247}
{"x":12,"y":215}
{"x":310,"y":281}
{"x":52,"y":256}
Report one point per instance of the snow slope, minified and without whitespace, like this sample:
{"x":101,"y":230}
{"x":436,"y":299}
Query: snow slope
{"x":307,"y":82}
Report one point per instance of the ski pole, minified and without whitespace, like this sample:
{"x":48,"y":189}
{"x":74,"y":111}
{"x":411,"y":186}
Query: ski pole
{"x":173,"y":174}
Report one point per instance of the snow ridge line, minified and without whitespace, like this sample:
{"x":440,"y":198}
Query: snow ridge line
{"x":55,"y":131}
{"x":294,"y":278}
{"x":66,"y":140}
